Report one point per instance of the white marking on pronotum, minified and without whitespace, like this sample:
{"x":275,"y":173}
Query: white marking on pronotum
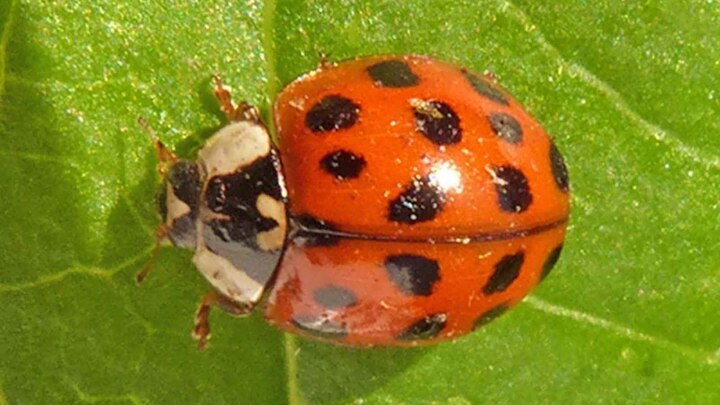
{"x":269,"y":207}
{"x":234,"y":146}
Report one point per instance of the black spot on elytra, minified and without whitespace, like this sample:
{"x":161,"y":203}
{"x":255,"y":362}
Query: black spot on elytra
{"x":550,"y":262}
{"x":420,"y":201}
{"x":490,"y":315}
{"x":485,"y":88}
{"x":559,"y":170}
{"x":235,"y":196}
{"x":426,"y":328}
{"x":392,"y":73}
{"x":332,"y":113}
{"x":506,"y":127}
{"x":512,"y":189}
{"x":334,"y":297}
{"x":343,"y":164}
{"x":412,"y":274}
{"x":185,"y":180}
{"x":320,"y":327}
{"x":437,"y":121}
{"x":506,"y":271}
{"x":310,"y":231}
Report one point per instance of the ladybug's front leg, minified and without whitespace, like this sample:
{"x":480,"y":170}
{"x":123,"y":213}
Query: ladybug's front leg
{"x":165,"y":159}
{"x":201,"y":331}
{"x":241,"y":112}
{"x":161,"y":235}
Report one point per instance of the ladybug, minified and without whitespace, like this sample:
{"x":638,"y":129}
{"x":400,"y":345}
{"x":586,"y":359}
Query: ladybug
{"x":409,"y":201}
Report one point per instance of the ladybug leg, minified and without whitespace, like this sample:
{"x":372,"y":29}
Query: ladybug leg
{"x":165,"y":159}
{"x":201,"y":330}
{"x":161,"y":234}
{"x":241,"y":112}
{"x":325,"y":61}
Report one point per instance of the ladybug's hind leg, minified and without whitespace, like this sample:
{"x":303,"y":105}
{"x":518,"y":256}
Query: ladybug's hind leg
{"x":241,"y":112}
{"x":201,"y":331}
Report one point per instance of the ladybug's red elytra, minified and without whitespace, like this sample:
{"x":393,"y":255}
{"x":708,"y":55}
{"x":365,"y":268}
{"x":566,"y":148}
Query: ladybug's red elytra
{"x":409,"y":201}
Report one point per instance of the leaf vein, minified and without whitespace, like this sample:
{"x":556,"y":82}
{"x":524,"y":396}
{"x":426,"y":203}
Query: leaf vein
{"x":36,"y":157}
{"x":93,"y":399}
{"x":653,"y":131}
{"x":624,"y":331}
{"x":4,"y":39}
{"x":60,"y":276}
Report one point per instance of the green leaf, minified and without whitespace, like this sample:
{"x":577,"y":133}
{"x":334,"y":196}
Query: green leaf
{"x":628,"y":90}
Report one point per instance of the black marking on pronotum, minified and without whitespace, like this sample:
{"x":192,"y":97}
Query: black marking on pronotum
{"x":392,"y":73}
{"x":505,"y":272}
{"x":437,"y":121}
{"x":412,"y":274}
{"x":235,"y":196}
{"x":426,"y":328}
{"x":332,"y":113}
{"x":484,"y":88}
{"x":420,"y":201}
{"x":343,"y":164}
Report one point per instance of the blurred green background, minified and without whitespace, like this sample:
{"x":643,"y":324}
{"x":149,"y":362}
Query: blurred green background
{"x":629,"y":91}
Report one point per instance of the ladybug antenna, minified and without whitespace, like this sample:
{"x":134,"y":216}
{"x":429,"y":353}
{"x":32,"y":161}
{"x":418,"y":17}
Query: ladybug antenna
{"x":164,"y":155}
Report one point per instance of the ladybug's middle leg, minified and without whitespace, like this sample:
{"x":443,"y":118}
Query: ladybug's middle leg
{"x":201,"y":331}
